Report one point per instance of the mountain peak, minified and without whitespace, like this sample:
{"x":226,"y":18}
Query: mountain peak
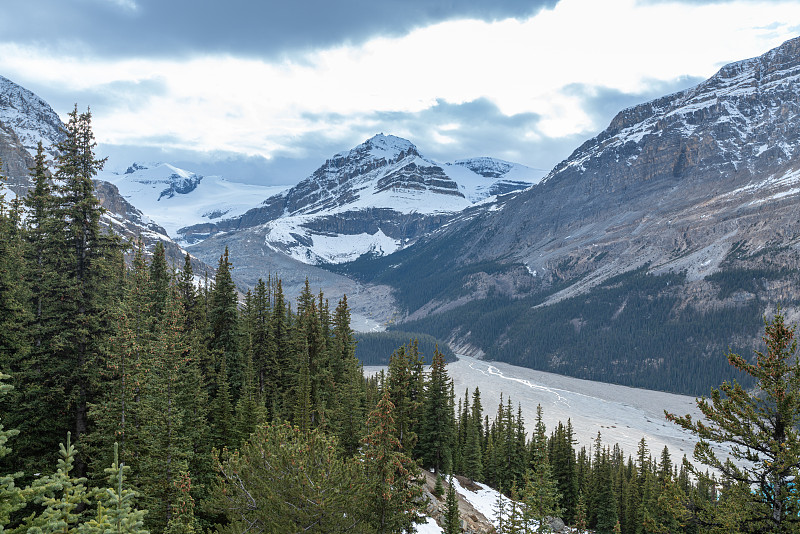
{"x":381,"y":146}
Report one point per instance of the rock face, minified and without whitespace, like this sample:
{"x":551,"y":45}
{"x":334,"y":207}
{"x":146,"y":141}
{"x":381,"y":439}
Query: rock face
{"x":676,"y":183}
{"x":707,"y":167}
{"x":31,"y":118}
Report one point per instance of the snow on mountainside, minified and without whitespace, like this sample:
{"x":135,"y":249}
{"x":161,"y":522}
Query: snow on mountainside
{"x":31,"y":118}
{"x":384,"y":172}
{"x":504,"y":177}
{"x":389,"y":172}
{"x":732,"y":109}
{"x":174,"y":197}
{"x":373,"y":199}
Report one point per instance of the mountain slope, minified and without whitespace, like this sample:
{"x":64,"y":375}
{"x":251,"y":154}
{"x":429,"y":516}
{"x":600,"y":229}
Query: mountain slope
{"x":670,"y":232}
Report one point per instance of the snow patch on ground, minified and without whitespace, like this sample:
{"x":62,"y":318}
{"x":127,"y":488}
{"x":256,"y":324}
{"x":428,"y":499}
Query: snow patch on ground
{"x":429,"y":527}
{"x":484,"y":500}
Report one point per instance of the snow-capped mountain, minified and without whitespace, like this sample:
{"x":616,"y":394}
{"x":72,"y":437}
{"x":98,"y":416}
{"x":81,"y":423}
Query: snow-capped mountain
{"x":174,"y":198}
{"x":373,"y":199}
{"x":505,"y":176}
{"x":25,"y":119}
{"x":31,"y":118}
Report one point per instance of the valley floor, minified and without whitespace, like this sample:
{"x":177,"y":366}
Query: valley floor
{"x":621,"y":414}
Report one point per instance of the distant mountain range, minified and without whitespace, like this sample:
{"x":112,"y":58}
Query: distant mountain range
{"x":639,"y":259}
{"x":374,"y":199}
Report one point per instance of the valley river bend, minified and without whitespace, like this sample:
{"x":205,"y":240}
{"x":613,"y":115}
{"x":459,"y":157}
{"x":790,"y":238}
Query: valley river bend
{"x":621,"y":414}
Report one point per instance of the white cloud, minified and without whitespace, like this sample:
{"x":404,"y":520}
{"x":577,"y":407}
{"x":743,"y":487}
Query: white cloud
{"x":257,"y":107}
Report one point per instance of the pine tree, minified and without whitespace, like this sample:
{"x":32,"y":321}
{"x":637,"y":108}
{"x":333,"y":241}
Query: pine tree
{"x":392,"y":490}
{"x":285,"y":480}
{"x":762,"y":430}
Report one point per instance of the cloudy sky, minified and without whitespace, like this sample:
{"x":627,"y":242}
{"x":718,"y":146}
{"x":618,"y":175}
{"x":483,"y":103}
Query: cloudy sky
{"x":265,"y":90}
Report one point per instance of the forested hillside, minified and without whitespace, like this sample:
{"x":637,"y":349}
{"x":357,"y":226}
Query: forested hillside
{"x":135,"y":399}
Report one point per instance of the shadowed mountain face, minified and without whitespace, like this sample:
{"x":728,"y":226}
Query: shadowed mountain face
{"x":698,"y":190}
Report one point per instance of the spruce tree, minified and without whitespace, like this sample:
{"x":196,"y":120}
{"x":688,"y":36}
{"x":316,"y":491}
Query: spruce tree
{"x":11,"y":496}
{"x":401,"y":385}
{"x":93,"y":252}
{"x":541,"y":491}
{"x":562,"y":460}
{"x":581,"y":517}
{"x":115,"y":505}
{"x":438,"y":424}
{"x":348,"y":413}
{"x":159,"y":278}
{"x":60,"y":496}
{"x":451,"y":519}
{"x":79,"y":268}
{"x":164,"y":432}
{"x":15,"y":318}
{"x":223,"y":318}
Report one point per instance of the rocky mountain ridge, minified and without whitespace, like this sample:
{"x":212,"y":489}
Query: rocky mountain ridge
{"x":374,"y":199}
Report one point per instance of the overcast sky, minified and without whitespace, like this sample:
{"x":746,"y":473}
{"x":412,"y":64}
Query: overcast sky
{"x":266,"y":91}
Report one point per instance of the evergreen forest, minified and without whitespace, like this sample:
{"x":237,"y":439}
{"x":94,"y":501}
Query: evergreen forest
{"x":135,"y":399}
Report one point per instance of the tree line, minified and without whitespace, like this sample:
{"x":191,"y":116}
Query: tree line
{"x":144,"y":398}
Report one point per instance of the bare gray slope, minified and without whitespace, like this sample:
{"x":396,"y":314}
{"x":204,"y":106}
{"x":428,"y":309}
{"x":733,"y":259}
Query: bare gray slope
{"x":371,"y":305}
